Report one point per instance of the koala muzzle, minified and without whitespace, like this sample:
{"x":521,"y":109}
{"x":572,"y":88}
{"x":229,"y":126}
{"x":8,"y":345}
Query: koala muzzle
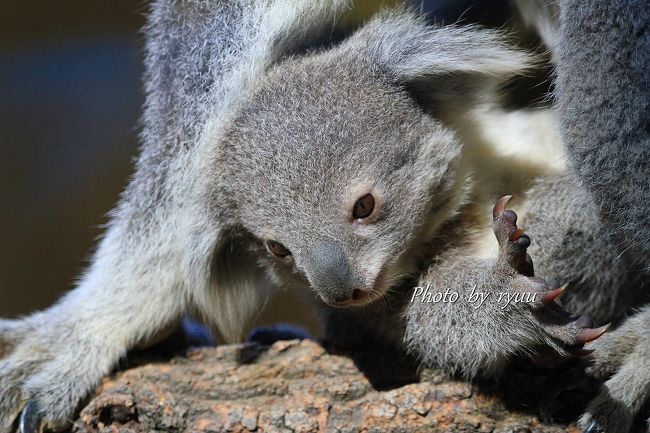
{"x":331,"y":275}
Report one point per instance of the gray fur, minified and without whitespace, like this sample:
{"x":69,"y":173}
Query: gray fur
{"x":247,"y":138}
{"x":580,"y":250}
{"x":621,"y":359}
{"x":603,"y":93}
{"x":603,"y":80}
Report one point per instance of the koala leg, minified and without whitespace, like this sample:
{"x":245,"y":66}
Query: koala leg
{"x":53,"y":359}
{"x":621,"y":359}
{"x":501,"y":308}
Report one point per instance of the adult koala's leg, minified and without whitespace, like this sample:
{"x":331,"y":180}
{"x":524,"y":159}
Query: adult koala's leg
{"x":157,"y":258}
{"x":603,"y":95}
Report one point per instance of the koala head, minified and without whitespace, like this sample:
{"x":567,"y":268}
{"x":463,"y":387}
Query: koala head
{"x":339,"y":175}
{"x":339,"y":171}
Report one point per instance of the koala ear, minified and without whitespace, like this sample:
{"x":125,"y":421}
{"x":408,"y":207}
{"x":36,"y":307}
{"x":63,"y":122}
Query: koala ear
{"x":449,"y":61}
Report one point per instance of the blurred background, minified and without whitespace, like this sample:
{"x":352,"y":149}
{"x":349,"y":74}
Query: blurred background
{"x":69,"y":103}
{"x":70,"y":100}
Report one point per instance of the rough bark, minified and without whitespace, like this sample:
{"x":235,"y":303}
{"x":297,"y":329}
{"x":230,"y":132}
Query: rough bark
{"x":296,"y":386}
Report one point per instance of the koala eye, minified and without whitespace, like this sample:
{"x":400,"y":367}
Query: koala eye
{"x":277,"y":249}
{"x":363,"y":207}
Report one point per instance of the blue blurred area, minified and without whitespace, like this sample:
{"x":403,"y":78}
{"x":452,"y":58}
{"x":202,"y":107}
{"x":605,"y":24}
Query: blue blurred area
{"x":69,"y":109}
{"x":267,"y":335}
{"x":64,"y":108}
{"x":196,"y":334}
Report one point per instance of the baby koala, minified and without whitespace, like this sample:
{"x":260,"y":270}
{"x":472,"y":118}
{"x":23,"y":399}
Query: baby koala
{"x":357,"y":169}
{"x":358,"y":187}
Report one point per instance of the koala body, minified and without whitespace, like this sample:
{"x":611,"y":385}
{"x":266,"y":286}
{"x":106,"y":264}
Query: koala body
{"x":358,"y":169}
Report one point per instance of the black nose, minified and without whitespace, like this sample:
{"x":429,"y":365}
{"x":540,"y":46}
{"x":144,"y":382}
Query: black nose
{"x":330,"y":273}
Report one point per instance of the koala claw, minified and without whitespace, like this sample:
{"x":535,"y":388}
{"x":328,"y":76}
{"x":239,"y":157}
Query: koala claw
{"x":500,"y":206}
{"x":564,"y":332}
{"x":590,"y":334}
{"x":513,"y":240}
{"x":30,"y":418}
{"x":518,"y":234}
{"x":551,"y":295}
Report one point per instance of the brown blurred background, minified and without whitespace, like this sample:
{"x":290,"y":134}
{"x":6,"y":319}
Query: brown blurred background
{"x":70,"y":99}
{"x":69,"y":103}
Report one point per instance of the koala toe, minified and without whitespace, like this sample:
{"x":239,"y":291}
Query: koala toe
{"x":14,"y":371}
{"x":552,"y":326}
{"x":513,"y":240}
{"x":44,"y":377}
{"x":32,"y":398}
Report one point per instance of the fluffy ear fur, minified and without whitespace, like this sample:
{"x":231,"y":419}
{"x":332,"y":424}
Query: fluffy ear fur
{"x":438,"y":62}
{"x":203,"y":58}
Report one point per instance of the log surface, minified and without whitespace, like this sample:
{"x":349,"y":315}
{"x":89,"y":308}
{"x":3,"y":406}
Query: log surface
{"x":293,"y":386}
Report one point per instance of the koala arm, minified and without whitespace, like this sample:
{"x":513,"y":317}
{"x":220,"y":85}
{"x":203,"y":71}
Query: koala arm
{"x":480,"y":335}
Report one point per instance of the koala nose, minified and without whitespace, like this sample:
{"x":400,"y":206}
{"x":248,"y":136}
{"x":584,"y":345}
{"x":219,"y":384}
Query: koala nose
{"x":330,"y":273}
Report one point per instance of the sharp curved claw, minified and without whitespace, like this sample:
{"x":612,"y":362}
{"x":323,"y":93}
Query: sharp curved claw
{"x":552,"y":295}
{"x":516,"y":235}
{"x":30,"y":418}
{"x":592,"y":428}
{"x":590,"y":334}
{"x":500,"y":206}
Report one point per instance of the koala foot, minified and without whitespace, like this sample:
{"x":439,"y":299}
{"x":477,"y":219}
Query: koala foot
{"x":620,"y":360}
{"x":555,"y":327}
{"x":45,"y":373}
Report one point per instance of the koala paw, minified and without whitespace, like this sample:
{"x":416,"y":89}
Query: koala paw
{"x":44,"y":373}
{"x":620,"y":360}
{"x":551,"y":325}
{"x":513,"y":241}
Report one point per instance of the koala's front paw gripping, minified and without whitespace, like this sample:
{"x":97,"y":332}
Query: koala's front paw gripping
{"x":564,"y":332}
{"x":40,"y":386}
